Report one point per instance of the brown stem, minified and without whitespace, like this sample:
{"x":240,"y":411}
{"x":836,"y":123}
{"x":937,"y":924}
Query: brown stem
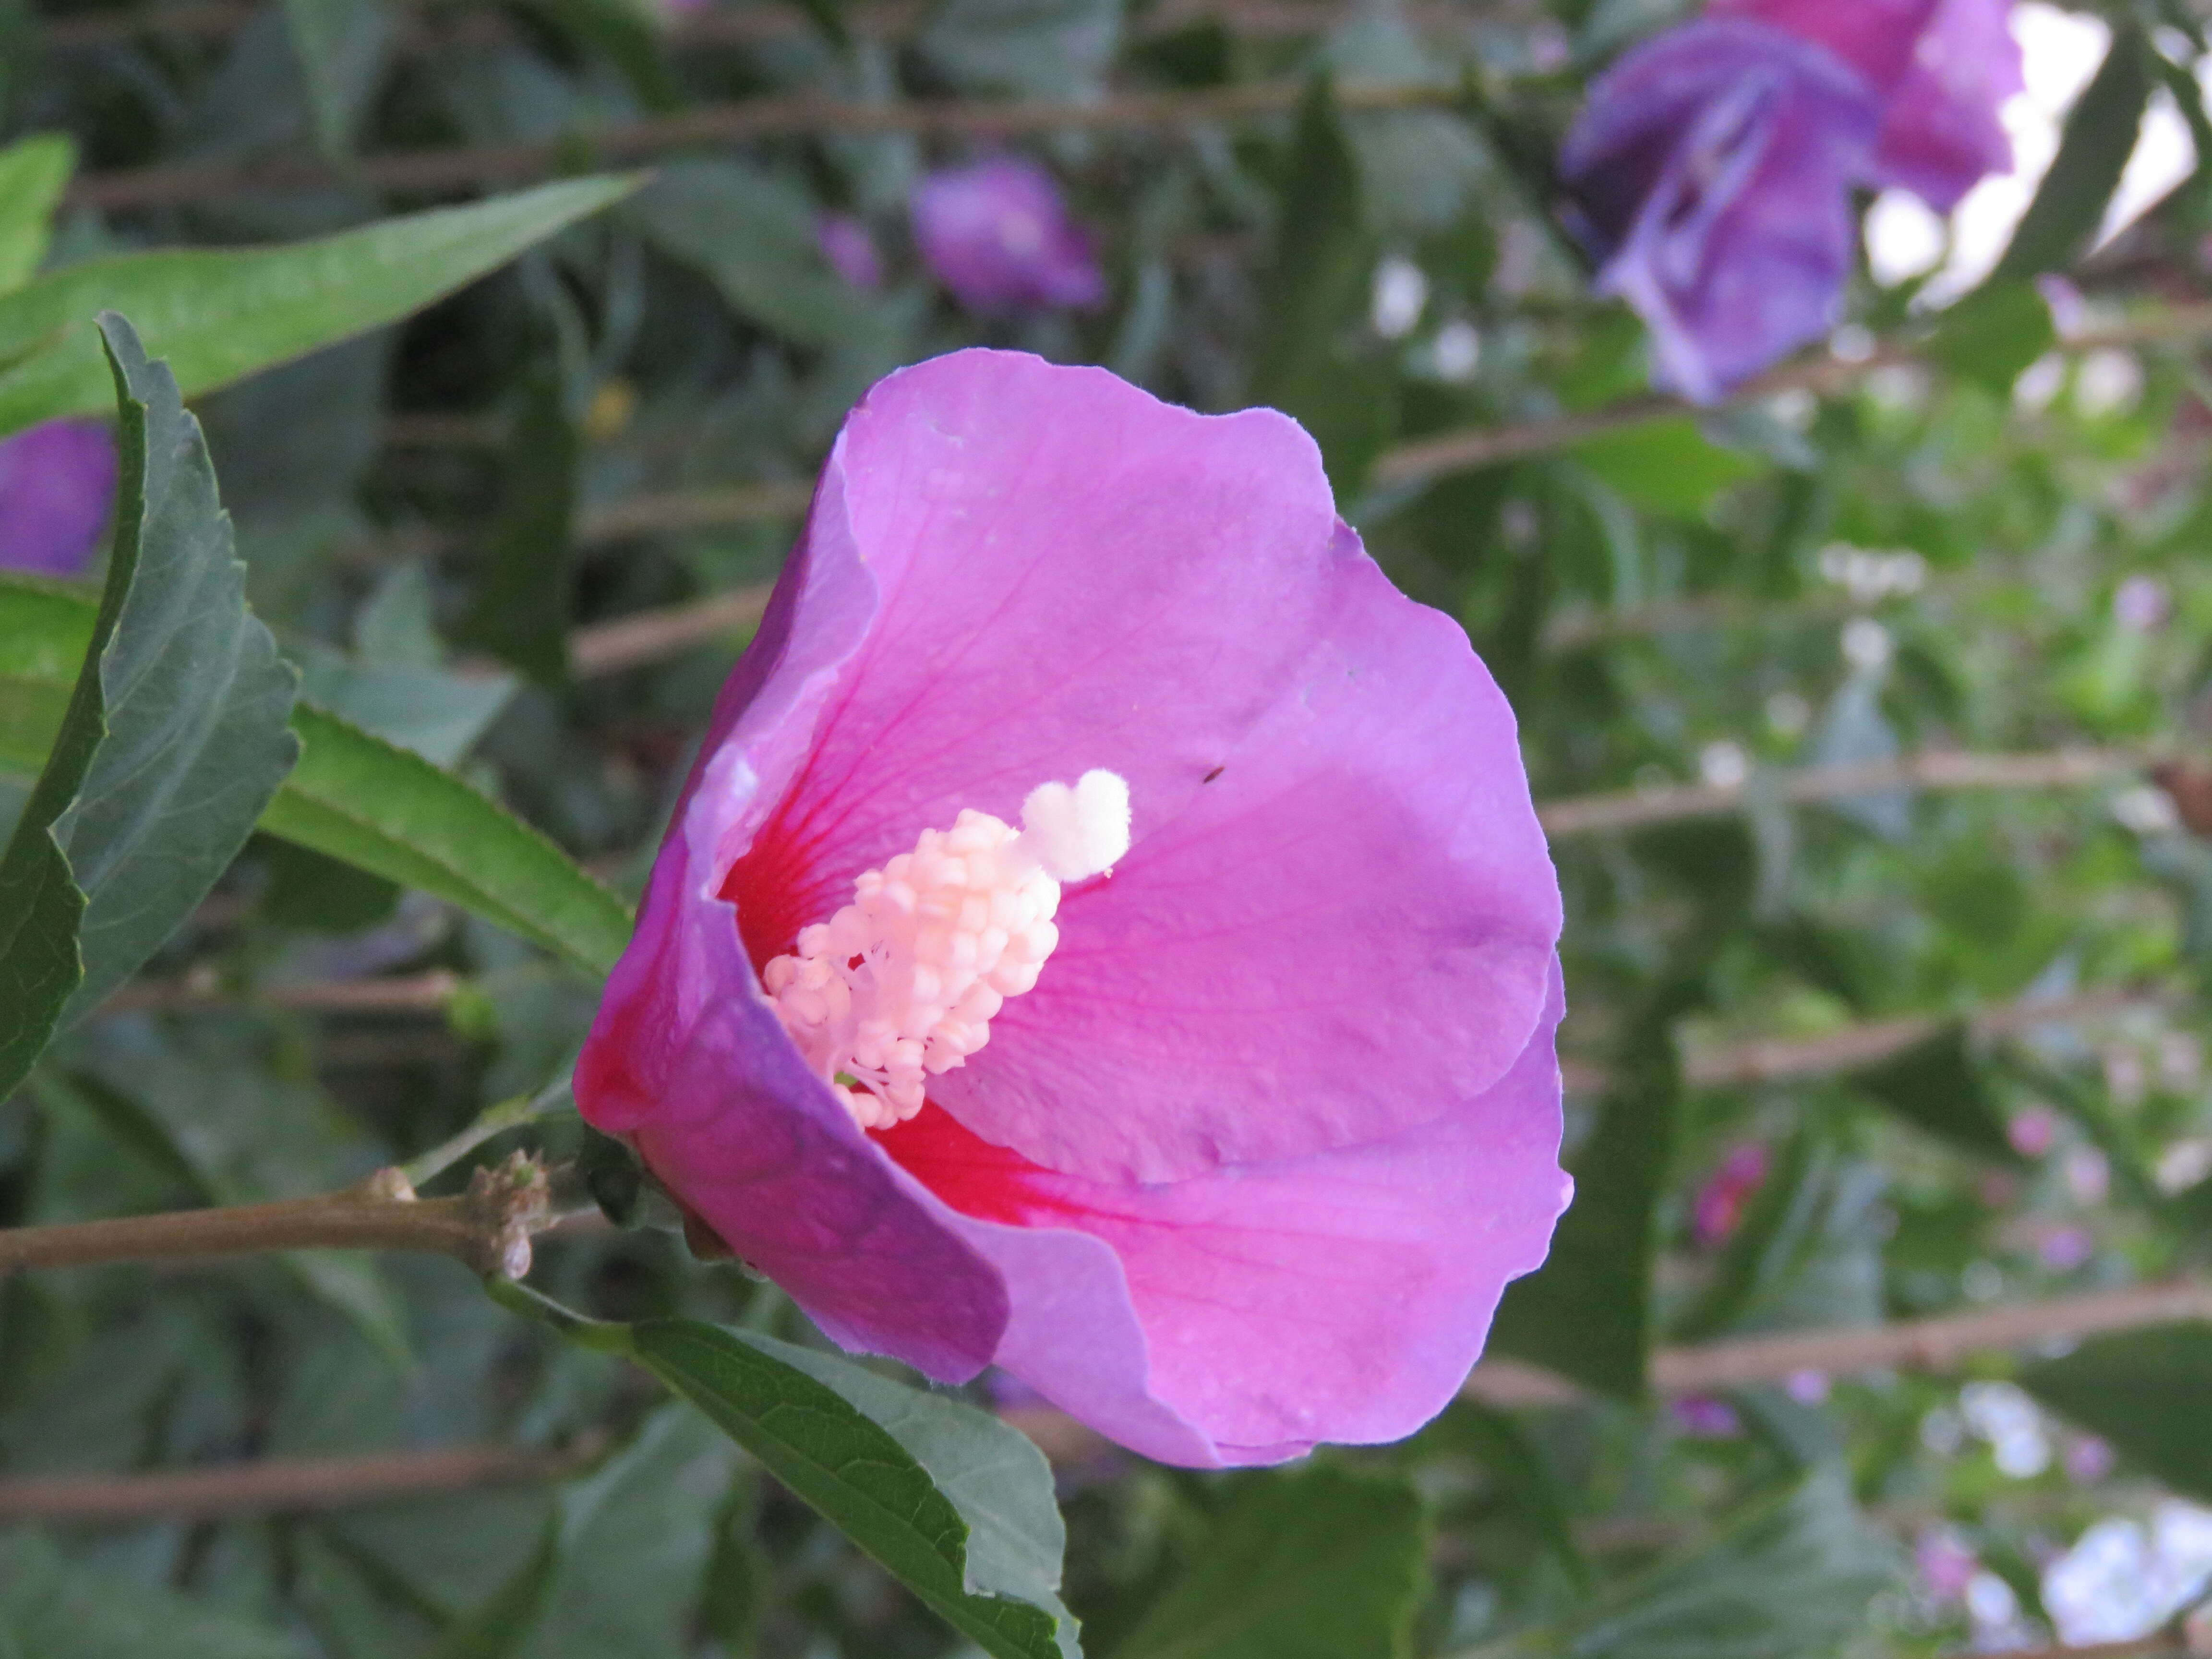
{"x":289,"y":1485}
{"x":432,"y":172}
{"x":647,"y":636}
{"x":489,"y":1227}
{"x":424,"y":993}
{"x":1629,"y":809}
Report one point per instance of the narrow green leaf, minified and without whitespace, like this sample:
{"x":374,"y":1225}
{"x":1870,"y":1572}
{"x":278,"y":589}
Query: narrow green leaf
{"x":1937,"y":1085}
{"x":353,"y":796}
{"x":521,"y":608}
{"x":498,"y":1628}
{"x":342,"y":46}
{"x":855,"y":1471}
{"x":1790,"y":1575}
{"x":2143,"y":1390}
{"x":1994,"y":333}
{"x":751,"y":233}
{"x":218,"y":315}
{"x":1322,"y":1563}
{"x":1807,"y":1253}
{"x":1314,"y":301}
{"x":372,"y":804}
{"x":34,"y":172}
{"x":196,"y":701}
{"x":1519,"y":1485}
{"x":2099,"y":136}
{"x":1586,"y":1313}
{"x":1664,"y":466}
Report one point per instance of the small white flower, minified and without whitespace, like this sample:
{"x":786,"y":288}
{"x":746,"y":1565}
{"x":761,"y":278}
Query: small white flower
{"x":1456,"y":350}
{"x":1866,"y":644}
{"x":1401,"y":294}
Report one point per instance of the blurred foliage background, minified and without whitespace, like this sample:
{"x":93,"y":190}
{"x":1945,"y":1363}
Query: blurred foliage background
{"x":1869,"y":1024}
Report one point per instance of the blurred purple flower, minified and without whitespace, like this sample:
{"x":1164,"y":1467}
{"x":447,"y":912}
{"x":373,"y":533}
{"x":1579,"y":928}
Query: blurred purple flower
{"x":1703,"y":1418}
{"x":2033,"y":1130}
{"x":57,"y":487}
{"x":1712,"y":168}
{"x":1944,"y":1564}
{"x":850,"y":247}
{"x":2065,"y":1249}
{"x":1720,"y":1203}
{"x":2087,"y":1460}
{"x":2140,"y":604}
{"x":1943,"y":69}
{"x":1806,"y":1388}
{"x":998,"y":234}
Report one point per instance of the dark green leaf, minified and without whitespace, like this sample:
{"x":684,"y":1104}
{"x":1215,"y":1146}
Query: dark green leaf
{"x":2099,"y":136}
{"x":1519,"y":1485}
{"x":1790,"y":1576}
{"x":1314,"y":301}
{"x":1938,"y":1086}
{"x":195,"y":699}
{"x":751,"y":234}
{"x":1586,"y":1313}
{"x":1664,"y":466}
{"x":521,"y":605}
{"x":1993,"y":333}
{"x":342,"y":46}
{"x":1807,"y":1253}
{"x":1322,"y":1563}
{"x":216,"y":316}
{"x":56,"y":1609}
{"x":635,"y":1537}
{"x":860,"y":1476}
{"x":2143,"y":1390}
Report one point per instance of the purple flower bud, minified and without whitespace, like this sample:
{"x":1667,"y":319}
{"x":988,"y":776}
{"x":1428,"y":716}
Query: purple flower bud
{"x":1944,"y":1564}
{"x":1942,"y":69}
{"x":1720,"y":1203}
{"x":2087,"y":1460}
{"x":2033,"y":1130}
{"x":1703,"y":1418}
{"x":2140,"y":604}
{"x":57,"y":487}
{"x":998,"y":235}
{"x":1713,"y":168}
{"x":850,"y":247}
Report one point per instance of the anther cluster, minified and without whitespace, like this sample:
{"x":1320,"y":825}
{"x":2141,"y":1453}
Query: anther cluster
{"x":903,"y":983}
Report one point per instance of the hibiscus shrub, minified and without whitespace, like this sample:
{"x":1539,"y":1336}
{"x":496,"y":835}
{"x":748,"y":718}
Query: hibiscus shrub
{"x":1193,"y":830}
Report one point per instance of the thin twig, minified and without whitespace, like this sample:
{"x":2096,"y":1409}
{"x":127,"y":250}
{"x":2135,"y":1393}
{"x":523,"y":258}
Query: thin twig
{"x":1628,"y":809}
{"x":280,"y":1485}
{"x":405,"y":993}
{"x":489,"y":1227}
{"x":437,"y":171}
{"x":693,"y":509}
{"x":648,"y":636}
{"x":1822,"y":376}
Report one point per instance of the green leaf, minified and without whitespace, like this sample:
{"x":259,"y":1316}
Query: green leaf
{"x":1322,"y":1563}
{"x":218,"y":315}
{"x":57,"y":1609}
{"x":195,"y":699}
{"x":1937,"y":1085}
{"x":1664,"y":466}
{"x":521,"y":608}
{"x":1994,"y":333}
{"x":956,"y":1548}
{"x":2144,"y":1391}
{"x":1586,"y":1313}
{"x":342,"y":47}
{"x":751,"y":234}
{"x":1789,"y":1577}
{"x":173,"y":741}
{"x":1313,"y":301}
{"x":1808,"y":1254}
{"x":34,"y":172}
{"x":1519,"y":1485}
{"x":635,"y":1537}
{"x":353,"y":796}
{"x":364,"y":800}
{"x":2099,"y":136}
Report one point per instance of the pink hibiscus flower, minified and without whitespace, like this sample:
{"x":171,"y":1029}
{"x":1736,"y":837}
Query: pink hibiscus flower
{"x":1218,"y":1102}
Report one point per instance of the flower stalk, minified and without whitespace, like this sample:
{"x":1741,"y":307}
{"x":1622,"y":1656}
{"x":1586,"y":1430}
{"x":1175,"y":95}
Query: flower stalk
{"x":489,"y":1227}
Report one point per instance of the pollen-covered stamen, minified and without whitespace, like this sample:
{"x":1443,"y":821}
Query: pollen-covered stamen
{"x":902,"y":982}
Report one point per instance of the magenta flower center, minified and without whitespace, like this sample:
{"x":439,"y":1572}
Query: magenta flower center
{"x":903,"y":983}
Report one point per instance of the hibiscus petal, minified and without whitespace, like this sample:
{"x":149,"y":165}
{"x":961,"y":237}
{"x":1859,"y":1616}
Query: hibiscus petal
{"x":689,"y":1060}
{"x":1338,"y":908}
{"x":1340,"y":1297}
